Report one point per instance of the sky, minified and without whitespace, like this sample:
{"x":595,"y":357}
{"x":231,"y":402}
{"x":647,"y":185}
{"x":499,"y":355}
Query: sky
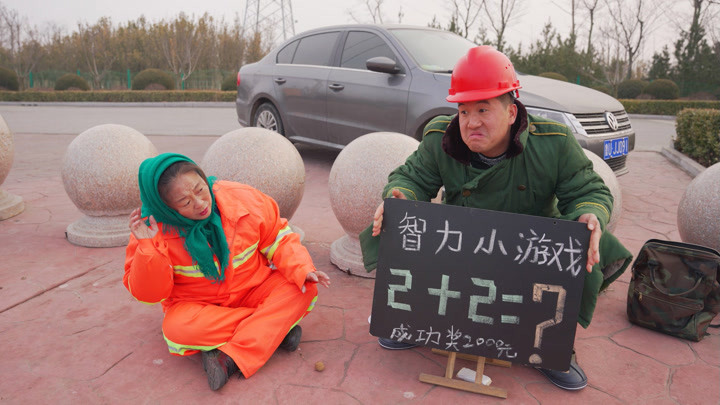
{"x":308,"y":14}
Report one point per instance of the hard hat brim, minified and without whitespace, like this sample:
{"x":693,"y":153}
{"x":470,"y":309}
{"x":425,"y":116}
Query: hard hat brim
{"x":477,"y":95}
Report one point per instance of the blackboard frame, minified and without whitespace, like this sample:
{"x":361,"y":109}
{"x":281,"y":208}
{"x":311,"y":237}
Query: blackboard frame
{"x":502,"y":294}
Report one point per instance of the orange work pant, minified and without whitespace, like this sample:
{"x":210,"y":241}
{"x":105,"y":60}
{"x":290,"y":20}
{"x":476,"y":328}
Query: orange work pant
{"x":250,"y":332}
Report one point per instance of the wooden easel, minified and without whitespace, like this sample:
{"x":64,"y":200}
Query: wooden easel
{"x":477,"y":386}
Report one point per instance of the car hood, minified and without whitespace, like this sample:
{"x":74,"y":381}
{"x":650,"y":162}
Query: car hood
{"x":557,"y":95}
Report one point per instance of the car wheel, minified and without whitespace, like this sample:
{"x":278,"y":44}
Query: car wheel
{"x":267,"y":117}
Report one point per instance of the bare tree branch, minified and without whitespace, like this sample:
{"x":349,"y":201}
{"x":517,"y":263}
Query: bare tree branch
{"x":500,"y":16}
{"x":632,"y":21}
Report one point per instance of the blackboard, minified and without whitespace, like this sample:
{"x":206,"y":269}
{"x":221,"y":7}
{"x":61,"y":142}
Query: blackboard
{"x":488,"y":283}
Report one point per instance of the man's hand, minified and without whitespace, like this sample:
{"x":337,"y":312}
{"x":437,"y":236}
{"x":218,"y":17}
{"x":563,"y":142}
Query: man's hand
{"x":318,"y":277}
{"x":594,"y":249}
{"x":139,"y":228}
{"x":377,"y":219}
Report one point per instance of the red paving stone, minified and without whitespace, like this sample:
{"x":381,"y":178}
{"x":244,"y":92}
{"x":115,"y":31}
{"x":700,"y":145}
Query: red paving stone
{"x":72,"y":334}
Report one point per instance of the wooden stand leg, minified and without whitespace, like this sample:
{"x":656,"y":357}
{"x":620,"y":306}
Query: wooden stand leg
{"x":477,"y":387}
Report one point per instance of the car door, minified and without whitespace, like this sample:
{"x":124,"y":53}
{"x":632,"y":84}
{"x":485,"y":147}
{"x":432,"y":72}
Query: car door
{"x":360,"y":101}
{"x":301,"y":85}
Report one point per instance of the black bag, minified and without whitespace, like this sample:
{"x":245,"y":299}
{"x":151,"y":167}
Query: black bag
{"x":674,"y":288}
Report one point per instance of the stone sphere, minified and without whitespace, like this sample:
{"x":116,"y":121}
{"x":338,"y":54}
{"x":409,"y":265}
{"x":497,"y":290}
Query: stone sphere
{"x":611,"y":181}
{"x":7,"y":150}
{"x":10,"y":204}
{"x":262,"y":159}
{"x":360,"y":173}
{"x":100,"y":169}
{"x":698,"y":217}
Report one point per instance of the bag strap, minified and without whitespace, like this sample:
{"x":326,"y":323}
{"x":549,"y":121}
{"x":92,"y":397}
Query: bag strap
{"x":669,"y":294}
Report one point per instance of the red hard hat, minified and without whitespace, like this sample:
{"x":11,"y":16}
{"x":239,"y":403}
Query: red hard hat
{"x":482,"y":74}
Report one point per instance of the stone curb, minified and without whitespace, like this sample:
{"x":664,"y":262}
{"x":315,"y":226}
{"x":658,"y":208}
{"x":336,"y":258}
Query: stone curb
{"x":688,"y":165}
{"x":186,"y":104}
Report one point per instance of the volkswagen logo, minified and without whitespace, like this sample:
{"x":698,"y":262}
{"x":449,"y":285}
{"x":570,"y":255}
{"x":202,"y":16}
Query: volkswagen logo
{"x":611,"y":120}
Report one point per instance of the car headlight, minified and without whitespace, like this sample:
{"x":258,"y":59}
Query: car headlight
{"x":562,"y":117}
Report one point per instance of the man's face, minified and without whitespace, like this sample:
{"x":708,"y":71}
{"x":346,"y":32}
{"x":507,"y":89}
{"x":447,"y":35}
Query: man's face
{"x":485,"y":125}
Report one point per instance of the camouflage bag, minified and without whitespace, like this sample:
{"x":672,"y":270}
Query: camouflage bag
{"x":674,"y":288}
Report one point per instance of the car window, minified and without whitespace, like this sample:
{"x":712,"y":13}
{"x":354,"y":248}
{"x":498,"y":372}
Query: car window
{"x":316,"y":49}
{"x":433,"y":50}
{"x":361,"y":46}
{"x":286,"y":54}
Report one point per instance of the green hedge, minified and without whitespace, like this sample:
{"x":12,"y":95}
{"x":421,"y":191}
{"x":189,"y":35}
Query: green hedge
{"x":631,"y":88}
{"x":71,"y":81}
{"x":153,"y":76}
{"x":665,"y":107}
{"x":663,"y":89}
{"x":698,"y":135}
{"x":119,"y":96}
{"x":229,"y":83}
{"x":9,"y":79}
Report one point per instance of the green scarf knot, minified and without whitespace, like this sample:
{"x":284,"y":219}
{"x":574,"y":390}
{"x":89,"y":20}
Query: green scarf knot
{"x":199,"y":235}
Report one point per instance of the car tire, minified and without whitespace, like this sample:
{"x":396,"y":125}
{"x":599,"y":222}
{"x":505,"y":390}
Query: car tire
{"x":268,"y":117}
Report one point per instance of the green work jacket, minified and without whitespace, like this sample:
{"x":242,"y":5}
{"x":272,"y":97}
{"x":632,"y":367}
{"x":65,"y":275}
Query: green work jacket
{"x":546,"y":174}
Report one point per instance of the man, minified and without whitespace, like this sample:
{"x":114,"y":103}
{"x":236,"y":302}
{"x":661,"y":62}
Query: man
{"x":493,"y":155}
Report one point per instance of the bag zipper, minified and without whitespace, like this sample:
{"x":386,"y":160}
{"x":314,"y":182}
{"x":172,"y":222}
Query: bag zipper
{"x":698,"y":307}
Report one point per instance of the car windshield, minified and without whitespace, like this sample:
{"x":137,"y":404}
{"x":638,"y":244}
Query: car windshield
{"x":434,"y":51}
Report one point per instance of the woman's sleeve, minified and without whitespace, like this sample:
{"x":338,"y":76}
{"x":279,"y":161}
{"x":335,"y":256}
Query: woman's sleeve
{"x":148,"y":271}
{"x":282,"y":246}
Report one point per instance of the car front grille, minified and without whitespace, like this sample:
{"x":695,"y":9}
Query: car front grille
{"x":617,"y":163}
{"x":596,"y":125}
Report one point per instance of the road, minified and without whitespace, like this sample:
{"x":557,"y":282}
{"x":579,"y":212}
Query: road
{"x":210,"y":119}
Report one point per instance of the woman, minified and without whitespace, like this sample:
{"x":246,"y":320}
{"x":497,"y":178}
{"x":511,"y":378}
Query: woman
{"x":232,"y":277}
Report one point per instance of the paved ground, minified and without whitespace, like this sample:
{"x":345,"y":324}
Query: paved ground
{"x":71,"y":333}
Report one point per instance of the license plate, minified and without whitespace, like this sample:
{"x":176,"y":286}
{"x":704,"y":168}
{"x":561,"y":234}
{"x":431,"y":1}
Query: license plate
{"x":613,"y":148}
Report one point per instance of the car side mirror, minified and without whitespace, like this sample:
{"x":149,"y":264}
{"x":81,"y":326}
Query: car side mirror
{"x":382,"y":64}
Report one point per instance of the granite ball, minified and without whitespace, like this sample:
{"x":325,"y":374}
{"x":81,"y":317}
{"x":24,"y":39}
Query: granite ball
{"x":611,"y":181}
{"x":262,"y":159}
{"x":10,"y":204}
{"x":698,"y":217}
{"x":7,"y":150}
{"x":356,"y":182}
{"x":359,"y":174}
{"x":100,"y":169}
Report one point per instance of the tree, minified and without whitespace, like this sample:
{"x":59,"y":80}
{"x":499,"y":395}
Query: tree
{"x":632,"y":21}
{"x":465,"y":15}
{"x":500,"y":17}
{"x":230,"y":46}
{"x":22,"y":42}
{"x":696,"y":68}
{"x":660,"y":67}
{"x":183,"y":42}
{"x":97,"y":48}
{"x":374,"y":8}
{"x":591,"y":6}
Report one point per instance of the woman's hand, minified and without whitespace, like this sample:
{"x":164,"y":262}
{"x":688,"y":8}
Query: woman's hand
{"x":318,"y":277}
{"x":139,"y":228}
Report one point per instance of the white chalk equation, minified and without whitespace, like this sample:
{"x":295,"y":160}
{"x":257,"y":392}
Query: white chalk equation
{"x":565,"y":254}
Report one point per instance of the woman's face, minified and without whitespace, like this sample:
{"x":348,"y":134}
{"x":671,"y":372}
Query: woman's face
{"x":188,"y":194}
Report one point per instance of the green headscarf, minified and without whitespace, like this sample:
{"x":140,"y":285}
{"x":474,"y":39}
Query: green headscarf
{"x":198,"y":234}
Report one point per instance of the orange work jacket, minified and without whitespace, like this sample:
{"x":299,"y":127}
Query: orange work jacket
{"x":161,"y":270}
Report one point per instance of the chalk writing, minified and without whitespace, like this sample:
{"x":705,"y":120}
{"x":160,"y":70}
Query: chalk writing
{"x":451,"y":339}
{"x":491,"y":245}
{"x":446,"y":232}
{"x":412,"y":228}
